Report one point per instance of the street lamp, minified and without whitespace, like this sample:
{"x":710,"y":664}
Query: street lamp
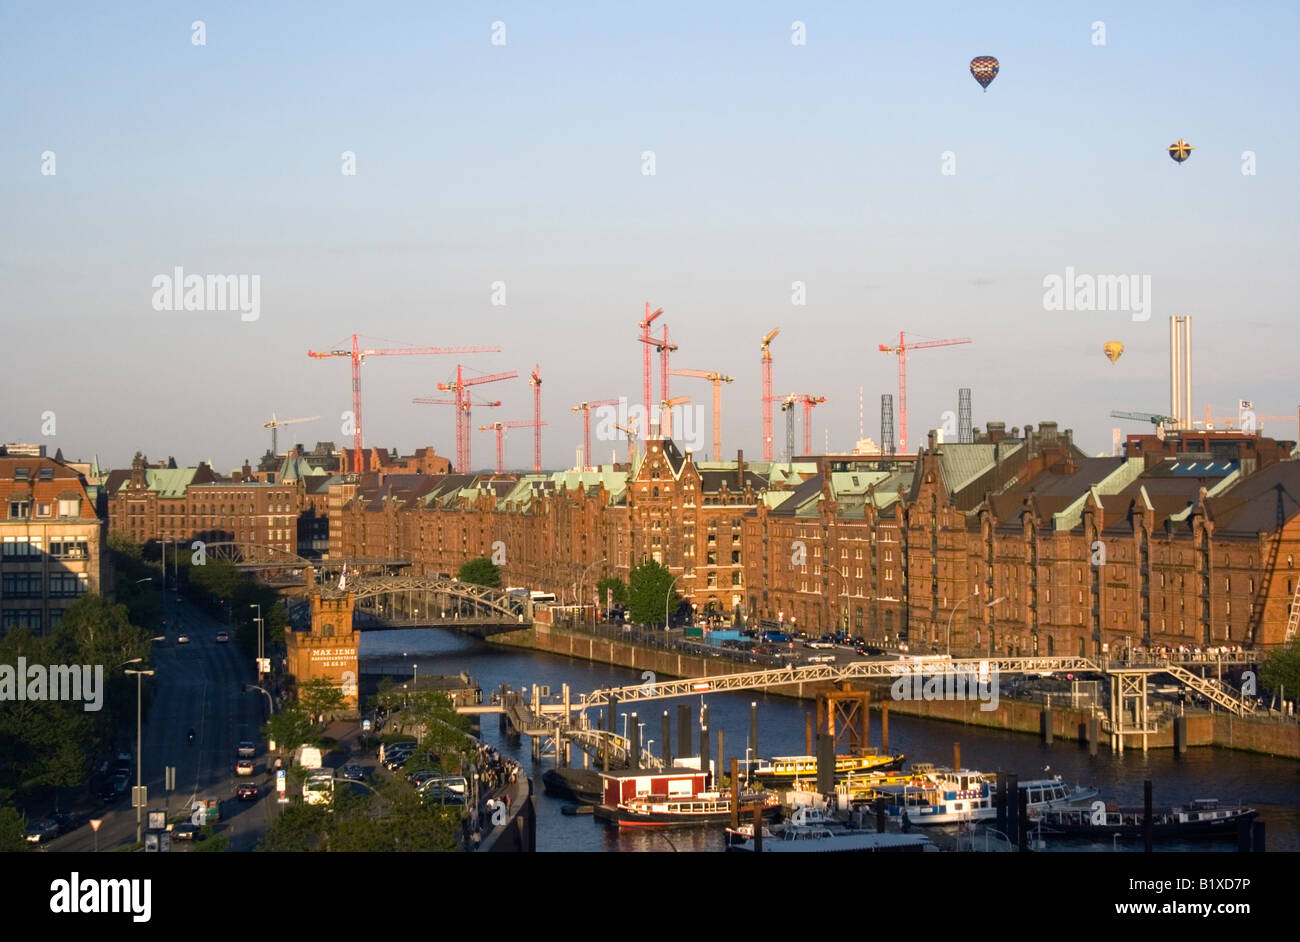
{"x":1000,"y":598}
{"x":666,"y":599}
{"x":139,"y":758}
{"x":260,"y":654}
{"x":580,"y":590}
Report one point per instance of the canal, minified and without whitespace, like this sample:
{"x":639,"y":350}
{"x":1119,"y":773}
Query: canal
{"x":1271,"y":785}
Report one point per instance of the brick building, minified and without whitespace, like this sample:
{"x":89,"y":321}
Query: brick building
{"x":52,"y":542}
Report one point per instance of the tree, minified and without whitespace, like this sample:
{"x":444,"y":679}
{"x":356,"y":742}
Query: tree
{"x":612,"y":589}
{"x":648,"y":593}
{"x":1281,"y":672}
{"x":481,"y":571}
{"x":320,"y":697}
{"x":13,"y":836}
{"x":292,"y":727}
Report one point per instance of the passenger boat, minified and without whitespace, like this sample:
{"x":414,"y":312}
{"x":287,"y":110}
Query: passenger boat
{"x":662,"y":811}
{"x":809,"y":830}
{"x":676,"y":797}
{"x":945,"y":796}
{"x":1202,"y":819}
{"x":785,"y":770}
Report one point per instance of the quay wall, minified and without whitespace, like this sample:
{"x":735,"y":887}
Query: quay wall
{"x":1269,"y":736}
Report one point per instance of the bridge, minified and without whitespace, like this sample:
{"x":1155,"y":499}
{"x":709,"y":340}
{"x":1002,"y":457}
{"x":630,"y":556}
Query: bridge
{"x":405,"y":601}
{"x":553,"y":726}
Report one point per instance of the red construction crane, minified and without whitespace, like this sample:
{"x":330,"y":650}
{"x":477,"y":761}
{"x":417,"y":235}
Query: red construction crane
{"x":463,"y":410}
{"x":808,"y":403}
{"x":717,"y":379}
{"x":766,"y":364}
{"x":585,"y":408}
{"x":662,"y":427}
{"x":665,"y":411}
{"x":901,"y":351}
{"x":500,"y":427}
{"x":535,"y":380}
{"x":358,"y":355}
{"x":645,"y":362}
{"x":630,"y":431}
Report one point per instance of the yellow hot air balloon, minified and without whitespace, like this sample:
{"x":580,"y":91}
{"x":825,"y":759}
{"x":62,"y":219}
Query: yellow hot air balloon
{"x":1113,"y":350}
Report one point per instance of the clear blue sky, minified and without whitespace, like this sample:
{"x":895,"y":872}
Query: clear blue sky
{"x":521,"y":163}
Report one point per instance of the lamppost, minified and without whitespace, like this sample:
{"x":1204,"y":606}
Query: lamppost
{"x":1001,"y":598}
{"x":139,"y":759}
{"x":666,"y":599}
{"x":580,"y":590}
{"x":260,"y":654}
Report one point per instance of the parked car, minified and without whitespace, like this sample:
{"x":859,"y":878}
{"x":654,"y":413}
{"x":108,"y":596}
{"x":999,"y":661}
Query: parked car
{"x":353,"y":773}
{"x":246,"y":750}
{"x":223,"y":637}
{"x":182,"y":639}
{"x":38,"y":832}
{"x":248,"y":791}
{"x":244,"y":767}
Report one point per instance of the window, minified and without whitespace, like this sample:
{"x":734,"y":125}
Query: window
{"x":67,"y":584}
{"x":735,"y":578}
{"x":42,"y":510}
{"x":19,"y":547}
{"x":46,"y":474}
{"x":69,"y":549}
{"x":19,"y":510}
{"x":21,"y":585}
{"x":23,"y":618}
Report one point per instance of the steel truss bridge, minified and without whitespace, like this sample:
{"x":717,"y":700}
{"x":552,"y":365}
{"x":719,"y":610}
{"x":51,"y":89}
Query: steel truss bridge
{"x":1214,"y":691}
{"x":402,"y":601}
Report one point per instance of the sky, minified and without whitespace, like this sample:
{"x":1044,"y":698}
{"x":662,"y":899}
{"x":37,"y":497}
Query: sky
{"x":482,"y":164}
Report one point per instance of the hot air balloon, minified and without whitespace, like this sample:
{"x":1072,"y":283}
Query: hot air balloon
{"x":1113,"y":350}
{"x":985,"y":70}
{"x":1181,"y":150}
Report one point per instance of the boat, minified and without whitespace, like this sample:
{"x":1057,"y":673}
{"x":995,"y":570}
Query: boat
{"x":580,"y":785}
{"x":1202,"y":819}
{"x":824,"y":840}
{"x":946,"y":796}
{"x":663,"y":811}
{"x":785,"y":770}
{"x":800,"y":816}
{"x":675,"y":797}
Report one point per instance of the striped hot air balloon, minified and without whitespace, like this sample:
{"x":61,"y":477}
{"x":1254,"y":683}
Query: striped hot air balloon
{"x":985,"y":70}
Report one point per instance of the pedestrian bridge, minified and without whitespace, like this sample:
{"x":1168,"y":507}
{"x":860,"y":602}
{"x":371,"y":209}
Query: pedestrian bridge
{"x":404,"y":601}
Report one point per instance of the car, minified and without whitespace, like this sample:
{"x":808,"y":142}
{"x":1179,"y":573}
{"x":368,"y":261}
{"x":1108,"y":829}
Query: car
{"x":244,"y":767}
{"x":120,"y":783}
{"x":248,"y":791}
{"x":69,"y":821}
{"x":822,"y":659}
{"x":246,"y":750}
{"x":40,"y":831}
{"x":425,"y":775}
{"x":223,"y":637}
{"x":105,"y":791}
{"x":182,"y":639}
{"x":186,"y":831}
{"x":353,"y":773}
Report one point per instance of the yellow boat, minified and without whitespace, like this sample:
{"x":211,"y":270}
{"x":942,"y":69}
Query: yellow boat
{"x":782,"y":770}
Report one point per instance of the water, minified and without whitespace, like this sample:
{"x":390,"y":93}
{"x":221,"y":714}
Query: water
{"x":1271,"y":785}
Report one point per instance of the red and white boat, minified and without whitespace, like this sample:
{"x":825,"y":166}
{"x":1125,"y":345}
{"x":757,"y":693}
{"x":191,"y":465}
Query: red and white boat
{"x":666,"y":798}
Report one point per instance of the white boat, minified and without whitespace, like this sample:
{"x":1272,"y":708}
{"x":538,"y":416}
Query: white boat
{"x":822,"y":838}
{"x":944,"y":796}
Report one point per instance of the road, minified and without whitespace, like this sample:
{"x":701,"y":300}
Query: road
{"x":197,"y":685}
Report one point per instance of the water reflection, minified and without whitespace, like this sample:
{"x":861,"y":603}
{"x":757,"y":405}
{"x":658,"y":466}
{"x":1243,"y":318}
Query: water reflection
{"x":1269,"y":784}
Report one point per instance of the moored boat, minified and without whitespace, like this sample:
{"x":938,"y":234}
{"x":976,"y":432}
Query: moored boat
{"x":785,"y":770}
{"x":944,"y":796}
{"x":580,"y":785}
{"x":676,"y":797}
{"x":1202,"y":819}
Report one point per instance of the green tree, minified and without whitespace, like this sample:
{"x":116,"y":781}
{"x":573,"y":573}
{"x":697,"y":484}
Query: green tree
{"x":320,"y":697}
{"x":291,"y":728}
{"x":612,"y":589}
{"x":648,"y":591}
{"x":13,"y":835}
{"x":481,"y":571}
{"x":298,"y":828}
{"x":1281,"y":672}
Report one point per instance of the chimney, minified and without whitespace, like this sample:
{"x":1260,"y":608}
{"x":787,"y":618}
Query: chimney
{"x":930,"y":440}
{"x":740,"y":468}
